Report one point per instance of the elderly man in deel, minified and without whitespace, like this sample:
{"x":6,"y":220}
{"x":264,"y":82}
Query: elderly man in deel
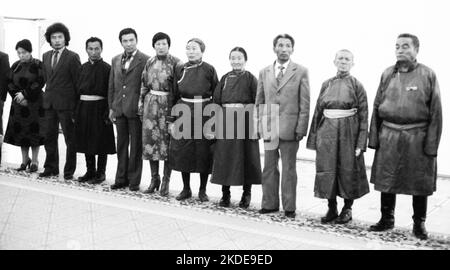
{"x":405,"y":132}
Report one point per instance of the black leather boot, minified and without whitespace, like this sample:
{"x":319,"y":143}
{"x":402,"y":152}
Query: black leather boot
{"x":387,"y":213}
{"x":420,"y":214}
{"x":164,"y":191}
{"x":90,"y":174}
{"x":100,"y":175}
{"x":332,"y":212}
{"x":156,"y":180}
{"x":246,"y":197}
{"x":184,"y":194}
{"x":346,"y":213}
{"x":226,"y":196}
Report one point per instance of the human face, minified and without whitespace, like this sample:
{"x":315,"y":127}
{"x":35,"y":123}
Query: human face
{"x":94,"y":50}
{"x":237,"y":60}
{"x":162,"y":47}
{"x":405,"y":50}
{"x":193,"y":51}
{"x":343,"y":61}
{"x":24,"y":55}
{"x":283,"y":50}
{"x":57,"y":40}
{"x":129,"y":42}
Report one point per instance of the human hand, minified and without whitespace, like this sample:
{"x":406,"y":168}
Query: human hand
{"x":357,"y":152}
{"x":23,"y":102}
{"x":19,"y":97}
{"x":111,"y":118}
{"x":171,"y":128}
{"x":298,"y":137}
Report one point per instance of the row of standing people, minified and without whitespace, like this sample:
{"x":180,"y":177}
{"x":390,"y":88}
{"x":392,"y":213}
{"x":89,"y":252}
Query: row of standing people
{"x":405,"y":129}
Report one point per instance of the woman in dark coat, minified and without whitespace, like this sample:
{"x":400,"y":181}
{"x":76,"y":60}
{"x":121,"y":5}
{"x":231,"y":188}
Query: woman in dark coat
{"x":194,"y":84}
{"x":236,"y":160}
{"x":26,"y":115}
{"x":338,"y":133}
{"x":157,"y":83}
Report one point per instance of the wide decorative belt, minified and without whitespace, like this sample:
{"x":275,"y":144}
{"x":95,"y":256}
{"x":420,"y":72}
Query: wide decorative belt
{"x":159,"y":93}
{"x":233,"y":105}
{"x":404,"y":126}
{"x":336,"y":113}
{"x":91,"y":97}
{"x":195,"y":100}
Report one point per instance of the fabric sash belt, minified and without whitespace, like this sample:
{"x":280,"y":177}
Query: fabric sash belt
{"x":233,"y":105}
{"x":336,"y":113}
{"x":405,"y":126}
{"x":195,"y":100}
{"x":159,"y":93}
{"x":91,"y":97}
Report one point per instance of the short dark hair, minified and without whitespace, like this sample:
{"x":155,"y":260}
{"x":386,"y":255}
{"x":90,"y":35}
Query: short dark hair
{"x":94,"y":39}
{"x":160,"y":36}
{"x":57,"y":28}
{"x":127,"y":31}
{"x":275,"y":40}
{"x":25,"y":44}
{"x":414,"y":39}
{"x":239,"y":49}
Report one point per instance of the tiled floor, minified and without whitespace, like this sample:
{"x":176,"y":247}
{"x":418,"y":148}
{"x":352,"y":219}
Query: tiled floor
{"x":40,"y":216}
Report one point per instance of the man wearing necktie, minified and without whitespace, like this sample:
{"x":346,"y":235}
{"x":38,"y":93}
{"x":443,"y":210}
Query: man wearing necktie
{"x":123,"y":96}
{"x":62,"y":68}
{"x":284,"y":84}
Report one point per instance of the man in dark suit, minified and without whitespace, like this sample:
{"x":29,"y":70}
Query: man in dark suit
{"x":123,"y":96}
{"x":4,"y":70}
{"x":285,"y":85}
{"x":62,"y":68}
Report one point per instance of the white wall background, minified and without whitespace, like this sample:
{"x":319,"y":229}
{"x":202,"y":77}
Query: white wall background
{"x":320,"y":28}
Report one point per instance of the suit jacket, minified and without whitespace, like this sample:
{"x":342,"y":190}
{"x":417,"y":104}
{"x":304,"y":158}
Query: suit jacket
{"x":61,"y":82}
{"x":292,"y":96}
{"x":4,"y":70}
{"x":125,"y":87}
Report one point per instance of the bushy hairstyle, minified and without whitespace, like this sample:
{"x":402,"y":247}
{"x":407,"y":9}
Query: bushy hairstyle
{"x":275,"y":40}
{"x":127,"y":31}
{"x":239,"y":49}
{"x":414,"y":38}
{"x":57,"y":28}
{"x":94,"y":39}
{"x":160,"y":36}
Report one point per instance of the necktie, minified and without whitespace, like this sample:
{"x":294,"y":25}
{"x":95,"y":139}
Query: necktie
{"x":55,"y":59}
{"x":125,"y":58}
{"x":280,"y":74}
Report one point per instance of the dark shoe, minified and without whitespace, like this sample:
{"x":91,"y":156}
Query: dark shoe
{"x":184,"y":194}
{"x":225,"y":200}
{"x":33,"y":168}
{"x":48,"y":174}
{"x":68,"y":177}
{"x":344,"y":217}
{"x":245,"y":201}
{"x":420,"y":231}
{"x":118,"y":186}
{"x":134,"y":188}
{"x":154,"y":185}
{"x":202,"y":196}
{"x":23,"y":167}
{"x":382,"y":225}
{"x":331,"y":215}
{"x":267,"y":211}
{"x":289,"y":214}
{"x":164,"y":191}
{"x":98,"y":179}
{"x":88,"y":176}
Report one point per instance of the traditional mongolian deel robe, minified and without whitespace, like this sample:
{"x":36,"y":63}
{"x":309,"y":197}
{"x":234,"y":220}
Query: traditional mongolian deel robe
{"x":338,"y":170}
{"x":157,"y":83}
{"x":94,"y":132}
{"x":193,"y":80}
{"x":236,"y":160}
{"x":405,"y":131}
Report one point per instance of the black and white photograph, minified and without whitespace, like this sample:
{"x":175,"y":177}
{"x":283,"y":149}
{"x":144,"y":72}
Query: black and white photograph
{"x":243,"y":127}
